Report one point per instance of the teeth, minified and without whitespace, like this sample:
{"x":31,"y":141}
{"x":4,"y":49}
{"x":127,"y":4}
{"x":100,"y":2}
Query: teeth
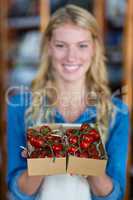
{"x":73,"y":66}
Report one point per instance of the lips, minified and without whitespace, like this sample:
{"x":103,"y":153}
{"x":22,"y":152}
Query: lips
{"x":71,"y":67}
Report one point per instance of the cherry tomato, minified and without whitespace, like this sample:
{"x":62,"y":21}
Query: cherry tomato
{"x":29,"y":135}
{"x":87,"y":137}
{"x":30,"y":131}
{"x":57,"y":147}
{"x":73,"y":139}
{"x":83,"y":154}
{"x":77,"y":153}
{"x":93,"y":153}
{"x":36,"y":141}
{"x":84,"y":126}
{"x":50,"y":155}
{"x":94,"y":134}
{"x":34,"y":154}
{"x":92,"y":148}
{"x":71,"y":149}
{"x":95,"y":157}
{"x":42,"y":154}
{"x":58,"y":154}
{"x":84,"y":144}
{"x":69,"y":131}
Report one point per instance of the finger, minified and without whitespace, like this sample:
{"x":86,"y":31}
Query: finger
{"x":71,"y":174}
{"x":24,"y":153}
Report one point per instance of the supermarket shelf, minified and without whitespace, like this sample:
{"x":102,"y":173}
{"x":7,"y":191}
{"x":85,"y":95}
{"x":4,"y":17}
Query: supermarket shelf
{"x":24,"y":22}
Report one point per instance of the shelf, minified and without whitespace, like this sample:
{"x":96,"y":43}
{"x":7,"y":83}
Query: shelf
{"x":24,"y":22}
{"x":131,"y":171}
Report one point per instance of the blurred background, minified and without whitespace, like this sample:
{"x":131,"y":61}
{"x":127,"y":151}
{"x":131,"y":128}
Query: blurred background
{"x":21,"y":24}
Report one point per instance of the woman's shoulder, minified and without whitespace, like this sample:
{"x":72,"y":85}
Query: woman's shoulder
{"x":119,"y":105}
{"x":19,"y":100}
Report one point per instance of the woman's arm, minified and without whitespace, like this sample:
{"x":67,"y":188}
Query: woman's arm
{"x":20,"y":184}
{"x":101,"y":185}
{"x":111,"y":186}
{"x":29,"y":184}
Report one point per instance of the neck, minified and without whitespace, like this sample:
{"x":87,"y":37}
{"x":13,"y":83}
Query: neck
{"x":71,"y":94}
{"x":71,"y":88}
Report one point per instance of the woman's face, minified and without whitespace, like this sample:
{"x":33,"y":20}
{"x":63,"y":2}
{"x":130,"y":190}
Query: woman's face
{"x":71,"y":49}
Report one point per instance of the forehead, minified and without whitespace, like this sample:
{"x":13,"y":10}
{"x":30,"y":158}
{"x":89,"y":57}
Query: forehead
{"x":71,"y":33}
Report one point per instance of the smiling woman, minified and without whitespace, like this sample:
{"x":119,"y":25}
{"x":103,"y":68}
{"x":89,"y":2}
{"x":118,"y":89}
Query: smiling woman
{"x":72,"y":66}
{"x":71,"y":54}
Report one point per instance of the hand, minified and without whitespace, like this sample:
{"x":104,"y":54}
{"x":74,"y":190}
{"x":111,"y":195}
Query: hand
{"x":71,"y":174}
{"x":24,"y":152}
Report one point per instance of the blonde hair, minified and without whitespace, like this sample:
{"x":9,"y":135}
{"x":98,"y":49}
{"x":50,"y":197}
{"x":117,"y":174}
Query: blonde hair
{"x":96,"y":78}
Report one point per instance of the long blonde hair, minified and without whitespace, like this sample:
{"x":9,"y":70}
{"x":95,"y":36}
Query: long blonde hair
{"x":96,"y":75}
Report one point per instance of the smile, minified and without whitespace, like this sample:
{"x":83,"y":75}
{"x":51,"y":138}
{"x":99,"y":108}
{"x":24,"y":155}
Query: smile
{"x":71,"y":67}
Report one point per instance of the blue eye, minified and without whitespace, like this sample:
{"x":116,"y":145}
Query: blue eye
{"x":59,"y":45}
{"x":83,"y":45}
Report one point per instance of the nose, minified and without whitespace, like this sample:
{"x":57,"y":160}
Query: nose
{"x":71,"y":54}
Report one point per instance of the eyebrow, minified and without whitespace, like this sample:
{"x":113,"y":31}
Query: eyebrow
{"x":83,"y":41}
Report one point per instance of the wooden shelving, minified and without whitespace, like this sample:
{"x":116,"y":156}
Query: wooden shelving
{"x":3,"y":71}
{"x":24,"y":22}
{"x":45,"y":13}
{"x":128,"y":68}
{"x":8,"y":27}
{"x":99,"y":12}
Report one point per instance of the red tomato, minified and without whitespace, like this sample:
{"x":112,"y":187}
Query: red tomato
{"x":57,"y":147}
{"x":50,"y":155}
{"x":30,"y":131}
{"x":93,"y":153}
{"x":92,"y":148}
{"x":83,"y":154}
{"x":69,"y":132}
{"x":34,"y":154}
{"x":95,"y":157}
{"x":36,"y":141}
{"x":43,"y":154}
{"x":84,"y":126}
{"x":58,"y":154}
{"x":77,"y":153}
{"x":29,"y":135}
{"x":87,"y":137}
{"x":84,"y":144}
{"x":94,"y":134}
{"x":73,"y":139}
{"x":71,"y":149}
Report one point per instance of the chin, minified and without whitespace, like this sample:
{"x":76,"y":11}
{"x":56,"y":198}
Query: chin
{"x":70,"y":79}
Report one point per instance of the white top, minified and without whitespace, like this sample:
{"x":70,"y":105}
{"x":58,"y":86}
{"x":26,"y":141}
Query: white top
{"x":65,"y":187}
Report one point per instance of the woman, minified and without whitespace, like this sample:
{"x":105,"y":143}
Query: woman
{"x":72,"y":67}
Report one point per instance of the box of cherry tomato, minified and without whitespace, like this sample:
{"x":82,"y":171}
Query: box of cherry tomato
{"x":65,"y":148}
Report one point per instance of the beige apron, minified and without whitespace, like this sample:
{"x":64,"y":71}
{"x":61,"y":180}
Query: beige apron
{"x":65,"y":187}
